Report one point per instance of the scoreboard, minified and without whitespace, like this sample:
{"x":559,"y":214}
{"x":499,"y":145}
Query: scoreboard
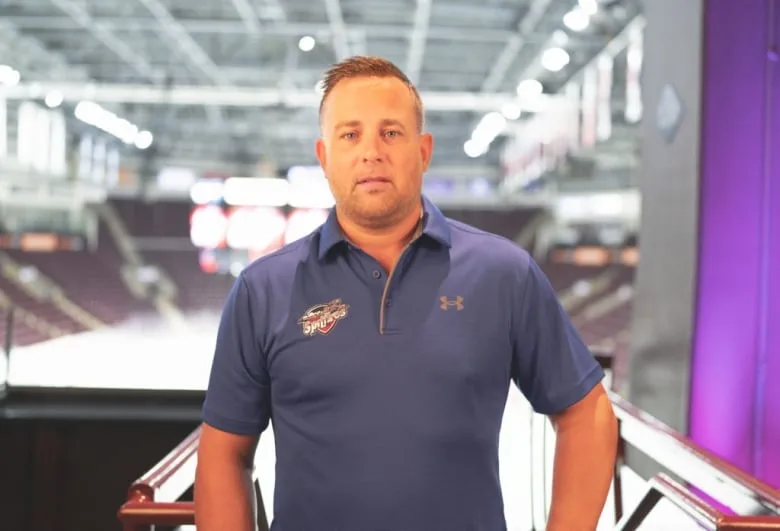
{"x":238,"y":220}
{"x":229,"y":238}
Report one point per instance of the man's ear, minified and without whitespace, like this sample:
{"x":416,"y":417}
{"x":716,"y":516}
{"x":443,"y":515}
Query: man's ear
{"x":426,"y":149}
{"x":319,"y":148}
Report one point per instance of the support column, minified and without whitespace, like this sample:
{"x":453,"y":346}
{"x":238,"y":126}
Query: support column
{"x":702,"y":334}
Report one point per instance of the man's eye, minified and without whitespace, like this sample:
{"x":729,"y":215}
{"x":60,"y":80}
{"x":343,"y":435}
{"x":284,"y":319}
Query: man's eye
{"x":392,"y":133}
{"x":348,"y":136}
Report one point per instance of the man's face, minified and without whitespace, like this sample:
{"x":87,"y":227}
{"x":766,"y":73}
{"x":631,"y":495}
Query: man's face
{"x":372,"y":151}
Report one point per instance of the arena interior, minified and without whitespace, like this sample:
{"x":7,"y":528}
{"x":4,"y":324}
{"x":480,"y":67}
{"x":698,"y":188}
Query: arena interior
{"x":151,"y":149}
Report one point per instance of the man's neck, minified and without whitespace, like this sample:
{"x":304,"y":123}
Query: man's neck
{"x":385,"y":245}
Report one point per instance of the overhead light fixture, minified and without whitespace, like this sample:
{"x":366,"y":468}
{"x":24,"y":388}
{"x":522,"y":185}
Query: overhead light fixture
{"x":473,"y":149}
{"x":307,"y":43}
{"x":9,"y":76}
{"x":576,"y":19}
{"x":590,"y":7}
{"x":529,"y":89}
{"x":143,"y":140}
{"x":93,"y":114}
{"x":554,"y":59}
{"x":53,"y":99}
{"x":511,"y":111}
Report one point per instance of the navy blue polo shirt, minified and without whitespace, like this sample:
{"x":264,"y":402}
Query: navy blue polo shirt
{"x":386,"y":393}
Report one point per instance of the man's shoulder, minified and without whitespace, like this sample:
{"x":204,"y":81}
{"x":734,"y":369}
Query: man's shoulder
{"x":490,"y":249}
{"x":283,"y":263}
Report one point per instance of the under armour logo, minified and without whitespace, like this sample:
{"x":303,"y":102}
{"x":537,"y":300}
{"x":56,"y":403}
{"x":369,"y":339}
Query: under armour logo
{"x":446,"y":303}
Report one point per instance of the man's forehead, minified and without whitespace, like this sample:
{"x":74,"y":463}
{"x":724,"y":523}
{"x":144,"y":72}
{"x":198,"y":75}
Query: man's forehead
{"x":351,"y":93}
{"x":354,"y":100}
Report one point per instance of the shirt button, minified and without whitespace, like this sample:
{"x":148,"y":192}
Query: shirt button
{"x":377,"y":274}
{"x":387,"y":303}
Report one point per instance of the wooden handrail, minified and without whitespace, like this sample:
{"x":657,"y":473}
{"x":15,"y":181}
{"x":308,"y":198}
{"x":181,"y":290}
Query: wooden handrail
{"x":173,"y":474}
{"x":723,"y":481}
{"x":698,"y":510}
{"x":153,"y":498}
{"x":142,"y":514}
{"x":663,"y":486}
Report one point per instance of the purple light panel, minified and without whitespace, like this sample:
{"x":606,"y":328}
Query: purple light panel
{"x":768,"y":454}
{"x":731,"y":243}
{"x":735,"y":382}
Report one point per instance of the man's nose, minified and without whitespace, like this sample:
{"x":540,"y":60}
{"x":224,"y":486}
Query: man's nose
{"x":372,"y":148}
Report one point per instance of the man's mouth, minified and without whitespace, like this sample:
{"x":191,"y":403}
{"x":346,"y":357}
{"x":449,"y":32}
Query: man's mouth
{"x":373,"y":179}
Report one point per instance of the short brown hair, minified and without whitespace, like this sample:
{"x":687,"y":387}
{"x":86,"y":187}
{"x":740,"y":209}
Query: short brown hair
{"x":368,"y":66}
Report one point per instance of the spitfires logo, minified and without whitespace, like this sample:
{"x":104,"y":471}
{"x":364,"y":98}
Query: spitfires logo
{"x":323,"y":317}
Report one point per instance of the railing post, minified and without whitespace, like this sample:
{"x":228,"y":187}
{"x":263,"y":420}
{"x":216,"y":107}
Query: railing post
{"x":8,"y":343}
{"x":618,"y":482}
{"x":262,"y":517}
{"x":641,"y":511}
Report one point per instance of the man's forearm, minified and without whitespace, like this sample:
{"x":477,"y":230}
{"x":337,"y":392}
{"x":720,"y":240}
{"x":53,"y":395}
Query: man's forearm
{"x":585,"y":454}
{"x":224,"y":498}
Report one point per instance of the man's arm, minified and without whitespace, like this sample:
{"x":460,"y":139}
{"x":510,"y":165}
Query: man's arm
{"x":585,"y":453}
{"x":560,"y":377}
{"x":224,"y":494}
{"x":236,"y":411}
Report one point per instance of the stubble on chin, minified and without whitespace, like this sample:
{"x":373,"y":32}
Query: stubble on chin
{"x":377,"y":213}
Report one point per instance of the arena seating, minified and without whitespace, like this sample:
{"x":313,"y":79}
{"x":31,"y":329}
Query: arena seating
{"x":197,"y":291}
{"x":34,"y":320}
{"x":167,"y":219}
{"x":92,"y":279}
{"x":565,"y":276}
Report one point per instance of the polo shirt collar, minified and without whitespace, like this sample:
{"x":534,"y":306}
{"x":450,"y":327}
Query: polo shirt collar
{"x":434,"y":225}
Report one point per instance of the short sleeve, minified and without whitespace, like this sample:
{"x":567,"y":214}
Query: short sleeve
{"x":238,"y":394}
{"x":551,"y":364}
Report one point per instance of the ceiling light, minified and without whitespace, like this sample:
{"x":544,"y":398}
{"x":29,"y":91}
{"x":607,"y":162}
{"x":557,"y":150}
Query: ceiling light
{"x":590,"y":7}
{"x":9,"y":76}
{"x":511,"y":111}
{"x":306,"y":44}
{"x":576,"y":19}
{"x":529,"y":89}
{"x":473,"y":149}
{"x":53,"y":99}
{"x":143,"y":140}
{"x":554,"y":59}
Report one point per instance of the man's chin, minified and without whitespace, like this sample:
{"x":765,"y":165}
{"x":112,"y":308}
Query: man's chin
{"x":377,"y":215}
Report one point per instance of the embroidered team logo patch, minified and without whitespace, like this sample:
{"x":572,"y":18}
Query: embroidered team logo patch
{"x":323,"y":317}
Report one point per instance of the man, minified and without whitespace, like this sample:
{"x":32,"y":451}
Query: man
{"x":383,"y":346}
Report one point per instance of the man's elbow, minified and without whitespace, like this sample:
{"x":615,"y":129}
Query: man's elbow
{"x":592,"y":412}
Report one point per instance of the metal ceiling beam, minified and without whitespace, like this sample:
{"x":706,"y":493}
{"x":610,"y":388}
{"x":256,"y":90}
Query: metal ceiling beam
{"x":248,"y":16}
{"x":304,"y":77}
{"x":378,"y":31}
{"x":338,"y":30}
{"x":515,"y":45}
{"x":30,"y":57}
{"x":79,"y":14}
{"x":256,"y":96}
{"x":179,"y":37}
{"x":611,"y":48}
{"x":418,"y":39}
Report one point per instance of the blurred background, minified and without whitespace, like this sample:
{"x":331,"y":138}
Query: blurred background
{"x":151,"y":149}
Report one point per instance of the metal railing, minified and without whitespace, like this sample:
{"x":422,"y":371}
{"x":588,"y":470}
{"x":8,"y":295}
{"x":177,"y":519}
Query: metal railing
{"x":154,"y":498}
